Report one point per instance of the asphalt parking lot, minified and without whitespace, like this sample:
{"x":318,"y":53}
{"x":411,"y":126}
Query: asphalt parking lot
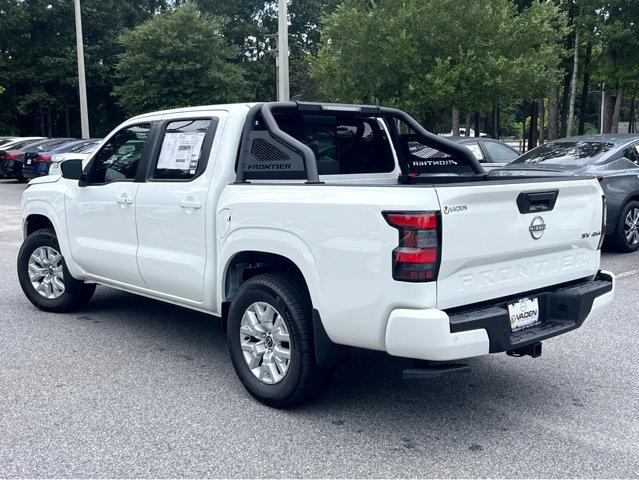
{"x":132,"y":387}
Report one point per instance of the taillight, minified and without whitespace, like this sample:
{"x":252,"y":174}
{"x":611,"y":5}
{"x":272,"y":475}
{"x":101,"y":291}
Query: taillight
{"x":10,"y":156}
{"x":604,"y":220}
{"x":42,"y":158}
{"x":417,"y":257}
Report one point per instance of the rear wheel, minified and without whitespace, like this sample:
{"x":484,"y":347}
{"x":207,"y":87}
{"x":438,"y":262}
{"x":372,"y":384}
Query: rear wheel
{"x":44,"y":277}
{"x":625,"y":238}
{"x":17,"y":173}
{"x":270,"y":339}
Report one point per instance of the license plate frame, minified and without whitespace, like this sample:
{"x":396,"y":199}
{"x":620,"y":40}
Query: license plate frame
{"x":524,"y":313}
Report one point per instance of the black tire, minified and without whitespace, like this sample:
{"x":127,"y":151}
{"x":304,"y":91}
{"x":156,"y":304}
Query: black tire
{"x":618,"y":240}
{"x":76,"y":293}
{"x":304,"y":379}
{"x":17,"y":173}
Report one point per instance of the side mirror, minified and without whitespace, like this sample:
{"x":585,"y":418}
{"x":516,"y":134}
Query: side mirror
{"x":71,"y":169}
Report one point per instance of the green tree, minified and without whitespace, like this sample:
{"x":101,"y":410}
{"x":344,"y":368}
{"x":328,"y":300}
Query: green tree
{"x":38,"y":65}
{"x":252,"y":26}
{"x":175,"y":59}
{"x":427,"y":56}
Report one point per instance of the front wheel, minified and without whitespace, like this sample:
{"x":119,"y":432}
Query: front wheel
{"x":270,"y":339}
{"x":625,"y":238}
{"x":44,"y":277}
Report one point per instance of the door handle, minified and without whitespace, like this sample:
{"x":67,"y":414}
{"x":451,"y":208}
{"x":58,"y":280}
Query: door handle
{"x":124,"y":200}
{"x":190,"y":204}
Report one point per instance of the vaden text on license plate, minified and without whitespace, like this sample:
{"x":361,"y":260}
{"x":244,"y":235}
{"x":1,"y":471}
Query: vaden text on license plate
{"x":523,"y":313}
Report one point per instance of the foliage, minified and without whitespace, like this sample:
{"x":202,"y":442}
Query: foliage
{"x":38,"y":65}
{"x":429,"y":55}
{"x":425,"y":56}
{"x":175,"y":59}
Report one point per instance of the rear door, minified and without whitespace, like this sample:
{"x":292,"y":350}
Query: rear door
{"x":171,"y":207}
{"x":504,"y":238}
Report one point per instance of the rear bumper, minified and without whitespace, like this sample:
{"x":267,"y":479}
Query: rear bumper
{"x":432,"y":334}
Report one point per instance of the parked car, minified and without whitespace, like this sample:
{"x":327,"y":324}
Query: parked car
{"x":9,"y":142}
{"x":12,"y":150}
{"x":462,"y":133}
{"x":231,"y":210}
{"x":83,"y":154}
{"x":13,"y":161}
{"x":38,"y":163}
{"x":5,"y":140}
{"x":613,"y":159}
{"x":491,"y":153}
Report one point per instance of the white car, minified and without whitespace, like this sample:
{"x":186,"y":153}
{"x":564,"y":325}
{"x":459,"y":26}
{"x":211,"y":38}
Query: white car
{"x":81,"y":152}
{"x":232,"y":210}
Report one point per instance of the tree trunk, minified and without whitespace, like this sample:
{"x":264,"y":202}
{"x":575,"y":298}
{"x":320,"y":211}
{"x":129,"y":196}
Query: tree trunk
{"x":455,"y":121}
{"x":523,"y":134}
{"x":632,"y":126}
{"x":49,"y":122}
{"x":498,"y":120}
{"x":573,"y":87}
{"x":532,"y":129}
{"x":41,"y":114}
{"x":541,"y":107}
{"x":477,"y":123}
{"x":467,"y":125}
{"x":608,"y":107}
{"x":583,"y":108}
{"x":494,"y":121}
{"x":67,"y":121}
{"x":553,"y":114}
{"x":563,"y":114}
{"x":614,"y":122}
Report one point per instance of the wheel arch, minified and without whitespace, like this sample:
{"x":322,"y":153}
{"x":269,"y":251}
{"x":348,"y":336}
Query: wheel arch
{"x":38,"y":213}
{"x":275,"y":249}
{"x":35,"y":222}
{"x":278,"y":252}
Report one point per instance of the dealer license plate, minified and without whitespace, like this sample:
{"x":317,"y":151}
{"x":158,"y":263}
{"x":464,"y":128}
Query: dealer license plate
{"x":524,"y":313}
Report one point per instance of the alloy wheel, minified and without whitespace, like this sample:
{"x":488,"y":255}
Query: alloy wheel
{"x":46,"y":273}
{"x":265,"y":342}
{"x":631,"y":226}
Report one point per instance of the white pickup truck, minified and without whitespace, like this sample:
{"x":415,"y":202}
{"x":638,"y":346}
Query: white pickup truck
{"x":310,"y":228}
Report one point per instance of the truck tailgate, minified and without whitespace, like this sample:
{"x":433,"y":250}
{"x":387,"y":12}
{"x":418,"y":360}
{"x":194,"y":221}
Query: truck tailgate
{"x":492,"y":247}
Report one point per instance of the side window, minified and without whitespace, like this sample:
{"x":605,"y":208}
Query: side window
{"x":499,"y":153}
{"x":474,"y":147}
{"x":118,"y":159}
{"x":181,"y":154}
{"x":632,"y":154}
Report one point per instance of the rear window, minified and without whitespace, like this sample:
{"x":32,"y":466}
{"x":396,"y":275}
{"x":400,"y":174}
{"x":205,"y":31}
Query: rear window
{"x":343,"y":145}
{"x":565,"y":153}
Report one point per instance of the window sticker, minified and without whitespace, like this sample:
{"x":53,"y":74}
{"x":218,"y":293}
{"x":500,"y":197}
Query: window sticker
{"x":181,"y":151}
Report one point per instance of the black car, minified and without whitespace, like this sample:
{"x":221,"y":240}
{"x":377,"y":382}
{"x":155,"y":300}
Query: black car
{"x":12,"y":159}
{"x":490,"y":153}
{"x":613,"y":159}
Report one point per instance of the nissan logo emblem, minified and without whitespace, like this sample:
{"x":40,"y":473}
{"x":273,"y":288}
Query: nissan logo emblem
{"x":537,"y":228}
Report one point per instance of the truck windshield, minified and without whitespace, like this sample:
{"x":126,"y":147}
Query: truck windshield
{"x":565,"y":153}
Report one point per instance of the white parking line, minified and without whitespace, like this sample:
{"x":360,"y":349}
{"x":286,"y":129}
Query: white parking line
{"x":628,"y":273}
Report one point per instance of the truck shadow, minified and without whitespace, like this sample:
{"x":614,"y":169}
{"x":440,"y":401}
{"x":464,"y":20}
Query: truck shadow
{"x":495,"y":393}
